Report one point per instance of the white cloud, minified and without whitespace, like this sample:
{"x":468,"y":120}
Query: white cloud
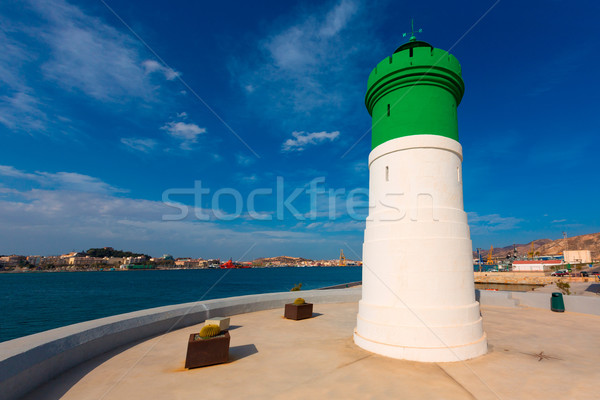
{"x":307,"y":43}
{"x":152,"y":66}
{"x":19,"y":109}
{"x":186,"y":132}
{"x":81,"y":220}
{"x":249,"y":179}
{"x":491,"y":223}
{"x":7,"y":170}
{"x":338,"y":18}
{"x":244,"y":161}
{"x":302,"y":139}
{"x":143,"y":145}
{"x":71,"y":210}
{"x":79,"y":182}
{"x":69,"y":181}
{"x":93,"y":218}
{"x":349,"y":226}
{"x":313,"y":63}
{"x":361,"y":166}
{"x":93,"y":57}
{"x":13,"y":55}
{"x":82,"y":54}
{"x":22,"y":111}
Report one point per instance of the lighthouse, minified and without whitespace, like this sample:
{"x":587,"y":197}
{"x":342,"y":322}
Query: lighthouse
{"x":418,"y":298}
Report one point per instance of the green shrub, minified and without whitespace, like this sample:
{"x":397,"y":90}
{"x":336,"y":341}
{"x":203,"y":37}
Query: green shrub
{"x":564,"y":287}
{"x":297,"y":288}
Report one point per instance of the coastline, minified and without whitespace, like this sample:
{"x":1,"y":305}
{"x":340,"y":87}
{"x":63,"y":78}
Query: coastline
{"x":29,"y":270}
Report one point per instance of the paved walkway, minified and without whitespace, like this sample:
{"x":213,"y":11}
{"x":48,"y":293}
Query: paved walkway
{"x":533,"y":354}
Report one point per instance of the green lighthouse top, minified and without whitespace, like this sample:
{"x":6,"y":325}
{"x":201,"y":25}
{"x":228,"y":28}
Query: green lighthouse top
{"x":412,"y":31}
{"x":415,"y":91}
{"x":412,"y":42}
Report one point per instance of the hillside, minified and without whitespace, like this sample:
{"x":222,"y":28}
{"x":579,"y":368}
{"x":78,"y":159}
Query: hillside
{"x":547,"y":247}
{"x":280,"y":260}
{"x":110,"y":252}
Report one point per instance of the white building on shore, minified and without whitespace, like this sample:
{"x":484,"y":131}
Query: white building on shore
{"x":536,"y":265}
{"x":578,"y":256}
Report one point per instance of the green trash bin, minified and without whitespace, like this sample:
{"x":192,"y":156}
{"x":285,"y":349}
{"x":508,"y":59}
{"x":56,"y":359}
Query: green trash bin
{"x":557,"y":303}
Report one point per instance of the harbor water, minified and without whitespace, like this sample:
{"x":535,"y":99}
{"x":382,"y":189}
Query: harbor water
{"x":36,"y":302}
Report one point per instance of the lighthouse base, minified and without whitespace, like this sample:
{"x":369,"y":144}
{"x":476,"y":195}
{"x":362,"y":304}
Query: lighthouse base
{"x":418,"y":298}
{"x":425,"y":354}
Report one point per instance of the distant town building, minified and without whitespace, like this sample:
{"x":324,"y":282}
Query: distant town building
{"x":86,"y":260}
{"x":535,"y":265}
{"x":54,"y":260}
{"x":72,"y":254}
{"x":191,"y":263}
{"x":214,"y":262}
{"x":577,"y":256}
{"x":34,"y":260}
{"x":114,"y":260}
{"x":135,"y":260}
{"x":12,"y":261}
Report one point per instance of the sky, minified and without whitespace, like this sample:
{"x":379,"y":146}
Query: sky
{"x":238,"y":129}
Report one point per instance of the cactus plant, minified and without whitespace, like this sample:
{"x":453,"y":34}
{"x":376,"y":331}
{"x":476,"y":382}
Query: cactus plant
{"x":299,"y":309}
{"x":209,"y":331}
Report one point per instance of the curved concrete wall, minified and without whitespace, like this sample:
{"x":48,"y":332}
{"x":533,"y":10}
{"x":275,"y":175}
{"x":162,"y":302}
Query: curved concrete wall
{"x":578,"y":304}
{"x":27,"y":362}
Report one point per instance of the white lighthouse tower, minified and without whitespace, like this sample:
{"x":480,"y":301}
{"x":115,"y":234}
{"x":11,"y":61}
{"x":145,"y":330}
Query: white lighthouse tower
{"x":418,"y":300}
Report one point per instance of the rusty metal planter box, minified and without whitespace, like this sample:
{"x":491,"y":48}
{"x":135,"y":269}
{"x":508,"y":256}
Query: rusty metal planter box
{"x":295,"y":311}
{"x":207,"y":351}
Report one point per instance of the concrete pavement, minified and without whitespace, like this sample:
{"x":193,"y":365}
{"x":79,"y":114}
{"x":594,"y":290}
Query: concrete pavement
{"x":533,"y":354}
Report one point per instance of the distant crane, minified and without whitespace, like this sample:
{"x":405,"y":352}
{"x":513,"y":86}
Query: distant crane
{"x":533,"y":253}
{"x":490,"y":260}
{"x":342,"y":258}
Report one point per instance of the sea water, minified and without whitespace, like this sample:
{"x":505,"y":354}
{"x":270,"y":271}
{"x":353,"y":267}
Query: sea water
{"x":36,"y":302}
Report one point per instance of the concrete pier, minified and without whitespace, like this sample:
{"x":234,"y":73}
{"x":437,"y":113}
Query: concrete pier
{"x":533,"y":354}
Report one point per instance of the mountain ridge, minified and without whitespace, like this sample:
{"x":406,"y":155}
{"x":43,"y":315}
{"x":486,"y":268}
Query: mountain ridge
{"x":549,"y":247}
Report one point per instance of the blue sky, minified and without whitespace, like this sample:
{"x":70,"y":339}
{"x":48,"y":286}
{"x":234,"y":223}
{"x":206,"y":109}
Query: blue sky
{"x":115,"y":116}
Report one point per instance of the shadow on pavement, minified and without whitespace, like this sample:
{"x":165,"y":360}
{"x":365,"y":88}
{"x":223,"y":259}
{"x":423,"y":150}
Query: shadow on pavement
{"x":239,"y":352}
